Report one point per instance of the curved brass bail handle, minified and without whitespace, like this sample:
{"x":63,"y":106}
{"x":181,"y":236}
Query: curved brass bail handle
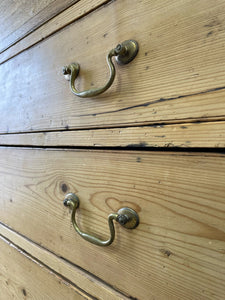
{"x":124,"y":52}
{"x":126,"y":217}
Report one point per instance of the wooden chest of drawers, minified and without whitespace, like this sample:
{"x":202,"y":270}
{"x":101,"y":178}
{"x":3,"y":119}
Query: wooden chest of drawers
{"x":153,"y":142}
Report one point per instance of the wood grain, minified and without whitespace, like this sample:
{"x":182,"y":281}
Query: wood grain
{"x":177,"y":252}
{"x":186,"y":135}
{"x":19,"y":18}
{"x":84,"y":281}
{"x":73,"y":13}
{"x":22,"y":277}
{"x":179,"y":73}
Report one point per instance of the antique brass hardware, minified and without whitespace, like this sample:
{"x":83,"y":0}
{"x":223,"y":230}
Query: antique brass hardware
{"x":124,"y":52}
{"x":126,"y":217}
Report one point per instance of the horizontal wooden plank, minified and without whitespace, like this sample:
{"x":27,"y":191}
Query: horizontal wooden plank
{"x":186,"y":135}
{"x":177,"y":75}
{"x":177,"y":251}
{"x":22,"y":277}
{"x":84,"y":281}
{"x":19,"y":18}
{"x":16,"y":14}
{"x":83,"y":7}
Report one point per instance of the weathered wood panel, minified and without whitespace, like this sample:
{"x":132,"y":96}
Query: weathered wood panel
{"x":177,"y":75}
{"x":19,"y":18}
{"x":186,"y":135}
{"x":82,"y":8}
{"x":179,"y":244}
{"x":84,"y":281}
{"x":22,"y":277}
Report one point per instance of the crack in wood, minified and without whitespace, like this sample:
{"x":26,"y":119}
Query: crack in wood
{"x":151,"y":102}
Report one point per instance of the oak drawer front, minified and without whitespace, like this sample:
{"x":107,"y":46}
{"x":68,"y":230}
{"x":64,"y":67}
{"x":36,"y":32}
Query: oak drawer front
{"x":177,"y":75}
{"x":179,"y":197}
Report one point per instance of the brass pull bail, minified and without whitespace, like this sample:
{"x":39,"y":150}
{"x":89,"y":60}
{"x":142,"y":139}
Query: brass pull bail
{"x":124,"y":52}
{"x":126,"y":217}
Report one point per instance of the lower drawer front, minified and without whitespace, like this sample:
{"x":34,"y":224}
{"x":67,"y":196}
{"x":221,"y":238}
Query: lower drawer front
{"x":178,"y":249}
{"x":21,"y":277}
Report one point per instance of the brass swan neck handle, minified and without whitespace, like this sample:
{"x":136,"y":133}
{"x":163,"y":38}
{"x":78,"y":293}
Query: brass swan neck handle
{"x":126,"y":217}
{"x":124,"y":52}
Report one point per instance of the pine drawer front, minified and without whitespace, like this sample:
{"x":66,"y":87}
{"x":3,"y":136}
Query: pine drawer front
{"x":22,"y":17}
{"x":177,"y":75}
{"x":176,"y":252}
{"x":22,"y":277}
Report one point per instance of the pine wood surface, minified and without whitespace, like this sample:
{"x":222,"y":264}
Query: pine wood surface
{"x":184,"y":135}
{"x":177,"y":75}
{"x":86,"y":282}
{"x":73,"y":13}
{"x":22,"y":277}
{"x":18,"y":18}
{"x":177,"y":252}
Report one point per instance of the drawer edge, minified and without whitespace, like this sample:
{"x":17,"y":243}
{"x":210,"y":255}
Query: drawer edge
{"x":81,"y":279}
{"x":66,"y":17}
{"x":183,"y":135}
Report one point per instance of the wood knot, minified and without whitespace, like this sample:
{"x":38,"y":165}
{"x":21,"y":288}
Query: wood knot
{"x":166,"y":252}
{"x":24,"y":292}
{"x":64,"y":187}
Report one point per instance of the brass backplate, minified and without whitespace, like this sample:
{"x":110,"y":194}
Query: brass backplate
{"x":132,"y":216}
{"x":71,"y":197}
{"x":131,"y":52}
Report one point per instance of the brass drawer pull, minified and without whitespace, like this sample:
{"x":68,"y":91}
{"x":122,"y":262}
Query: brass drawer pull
{"x":124,"y":52}
{"x":126,"y":217}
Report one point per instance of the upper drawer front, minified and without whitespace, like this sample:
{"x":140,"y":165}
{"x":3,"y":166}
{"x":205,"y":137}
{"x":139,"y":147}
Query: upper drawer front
{"x":178,"y":74}
{"x":176,"y":252}
{"x":19,"y":18}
